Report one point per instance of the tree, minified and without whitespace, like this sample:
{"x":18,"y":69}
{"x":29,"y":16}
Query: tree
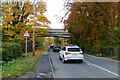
{"x":18,"y":17}
{"x":93,"y":23}
{"x":57,"y":40}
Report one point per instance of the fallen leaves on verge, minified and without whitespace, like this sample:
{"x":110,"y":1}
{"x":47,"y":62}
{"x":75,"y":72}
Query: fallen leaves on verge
{"x":42,"y":50}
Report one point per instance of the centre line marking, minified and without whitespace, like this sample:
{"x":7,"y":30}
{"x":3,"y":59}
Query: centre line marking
{"x":102,"y":68}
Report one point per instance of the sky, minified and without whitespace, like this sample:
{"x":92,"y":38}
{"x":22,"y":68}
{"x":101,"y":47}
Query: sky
{"x":55,"y":12}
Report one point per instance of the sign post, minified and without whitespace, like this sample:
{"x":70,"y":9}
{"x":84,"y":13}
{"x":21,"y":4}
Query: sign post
{"x":26,"y":50}
{"x":26,"y":34}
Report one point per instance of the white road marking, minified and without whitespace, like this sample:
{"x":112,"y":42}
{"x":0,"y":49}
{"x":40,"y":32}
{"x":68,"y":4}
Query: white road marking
{"x":51,"y":66}
{"x":40,"y":74}
{"x":89,"y":63}
{"x":102,"y":68}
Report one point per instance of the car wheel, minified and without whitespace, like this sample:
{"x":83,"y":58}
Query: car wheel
{"x":64,"y":60}
{"x":60,"y":57}
{"x":81,"y":61}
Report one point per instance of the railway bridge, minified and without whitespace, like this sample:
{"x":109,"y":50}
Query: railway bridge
{"x":55,"y":33}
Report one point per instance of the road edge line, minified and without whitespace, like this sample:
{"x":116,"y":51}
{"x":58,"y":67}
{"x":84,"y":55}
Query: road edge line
{"x":52,"y":66}
{"x":103,"y":69}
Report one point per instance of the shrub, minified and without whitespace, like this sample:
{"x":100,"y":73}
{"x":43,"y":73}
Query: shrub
{"x":29,"y":46}
{"x":1,"y":51}
{"x":115,"y":49}
{"x":11,"y":51}
{"x":94,"y":50}
{"x":105,"y":51}
{"x":90,"y":53}
{"x":118,"y":52}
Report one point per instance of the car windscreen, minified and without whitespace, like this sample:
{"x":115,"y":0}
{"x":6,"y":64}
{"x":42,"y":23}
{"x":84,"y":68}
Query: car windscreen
{"x":57,"y":47}
{"x":74,"y":49}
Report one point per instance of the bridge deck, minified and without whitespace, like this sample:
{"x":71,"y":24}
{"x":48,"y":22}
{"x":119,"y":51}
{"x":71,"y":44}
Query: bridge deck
{"x":55,"y":33}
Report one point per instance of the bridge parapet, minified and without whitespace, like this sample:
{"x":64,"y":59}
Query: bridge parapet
{"x":55,"y":33}
{"x":57,"y":30}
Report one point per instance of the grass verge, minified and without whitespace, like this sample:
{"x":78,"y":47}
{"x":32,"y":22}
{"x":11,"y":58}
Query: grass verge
{"x":19,"y":66}
{"x":98,"y":55}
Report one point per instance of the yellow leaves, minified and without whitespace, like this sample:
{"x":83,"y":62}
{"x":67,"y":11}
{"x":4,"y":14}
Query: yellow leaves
{"x":9,"y":32}
{"x":37,"y":52}
{"x":10,"y":71}
{"x":15,"y":20}
{"x":20,"y":26}
{"x":8,"y":18}
{"x":28,"y":8}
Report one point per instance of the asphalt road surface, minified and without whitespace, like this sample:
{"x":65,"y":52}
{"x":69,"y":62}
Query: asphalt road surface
{"x":42,"y":70}
{"x":92,"y":67}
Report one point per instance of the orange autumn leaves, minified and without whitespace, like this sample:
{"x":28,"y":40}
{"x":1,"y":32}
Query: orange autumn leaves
{"x":92,"y":21}
{"x":36,"y":52}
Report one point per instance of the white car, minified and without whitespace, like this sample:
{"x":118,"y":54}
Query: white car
{"x":71,"y":53}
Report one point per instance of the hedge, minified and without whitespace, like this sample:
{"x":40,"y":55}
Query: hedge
{"x":105,"y":51}
{"x":11,"y":51}
{"x":29,"y":46}
{"x":0,"y":51}
{"x":118,"y":52}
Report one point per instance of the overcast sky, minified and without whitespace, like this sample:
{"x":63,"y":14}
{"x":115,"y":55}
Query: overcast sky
{"x":55,"y":12}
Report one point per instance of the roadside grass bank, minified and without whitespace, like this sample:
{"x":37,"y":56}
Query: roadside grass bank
{"x":18,"y":67}
{"x":113,"y":52}
{"x":100,"y":55}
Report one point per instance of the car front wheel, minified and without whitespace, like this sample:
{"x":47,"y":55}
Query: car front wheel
{"x":64,"y":60}
{"x":60,"y":57}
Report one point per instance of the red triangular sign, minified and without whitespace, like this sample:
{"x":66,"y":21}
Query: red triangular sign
{"x":26,"y":34}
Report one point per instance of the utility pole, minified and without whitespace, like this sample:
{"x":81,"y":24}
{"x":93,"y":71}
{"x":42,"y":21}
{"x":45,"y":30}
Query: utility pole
{"x":34,"y":28}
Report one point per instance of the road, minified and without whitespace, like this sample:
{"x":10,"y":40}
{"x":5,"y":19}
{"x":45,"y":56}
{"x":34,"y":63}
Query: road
{"x":92,"y":67}
{"x":42,"y":69}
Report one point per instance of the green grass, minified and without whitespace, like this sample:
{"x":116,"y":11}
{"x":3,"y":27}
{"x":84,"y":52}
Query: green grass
{"x":0,"y":71}
{"x":19,"y":67}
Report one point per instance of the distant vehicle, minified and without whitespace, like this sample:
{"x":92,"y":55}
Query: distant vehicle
{"x":51,"y":46}
{"x":69,"y":53}
{"x":68,"y":44}
{"x":56,"y":48}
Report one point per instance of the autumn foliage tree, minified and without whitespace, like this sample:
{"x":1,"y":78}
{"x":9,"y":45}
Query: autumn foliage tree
{"x":18,"y":17}
{"x":93,"y":24}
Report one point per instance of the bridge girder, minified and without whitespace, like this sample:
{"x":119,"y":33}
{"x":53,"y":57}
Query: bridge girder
{"x":55,"y":33}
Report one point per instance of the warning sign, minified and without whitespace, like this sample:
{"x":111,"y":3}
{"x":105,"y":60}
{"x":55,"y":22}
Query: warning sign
{"x":26,"y":34}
